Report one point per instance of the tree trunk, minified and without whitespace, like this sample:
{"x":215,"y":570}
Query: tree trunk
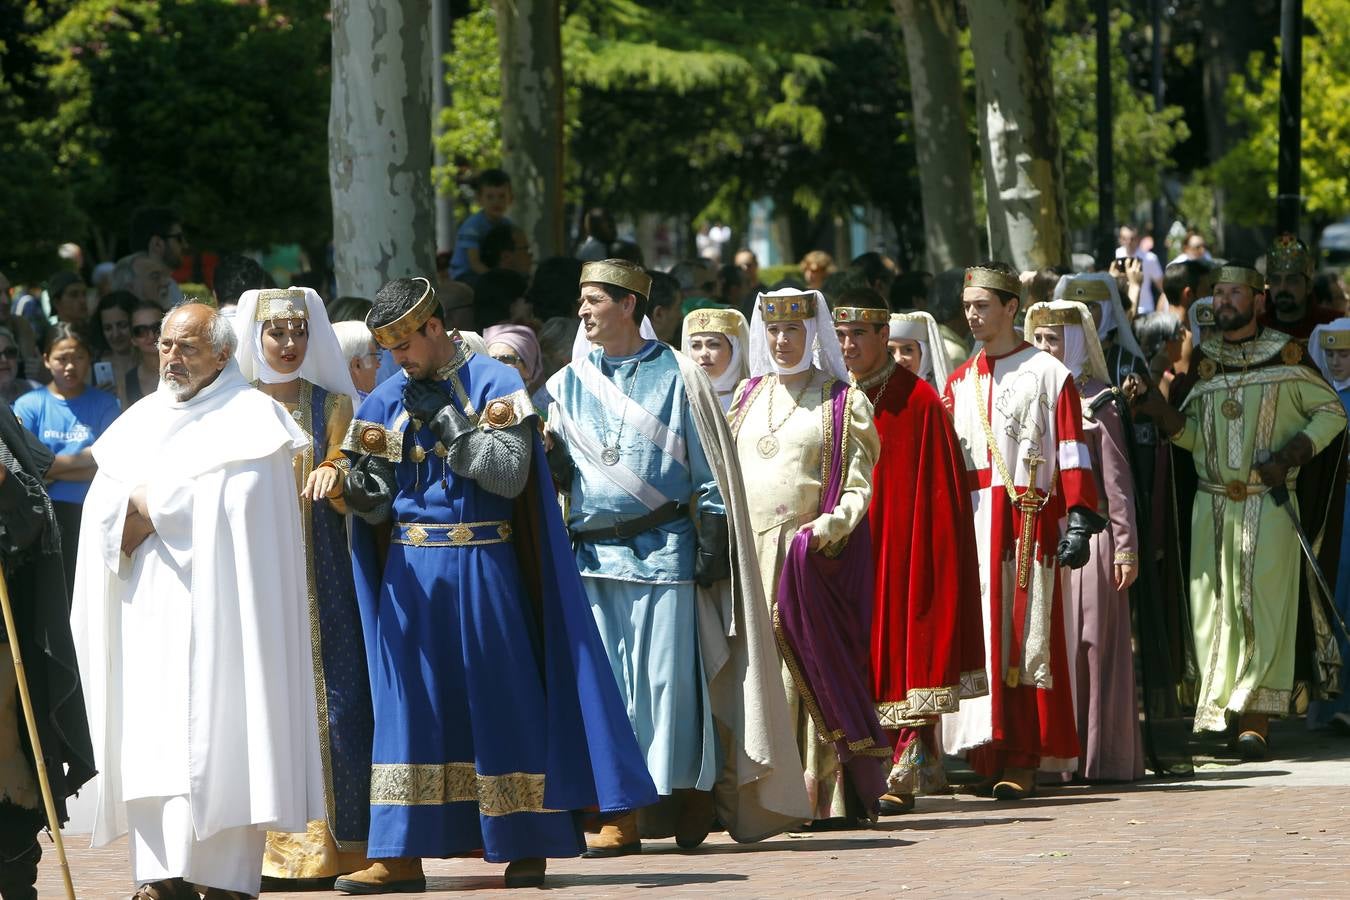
{"x":1019,"y":137}
{"x":530,"y":37}
{"x":379,"y":144}
{"x":941,"y":138}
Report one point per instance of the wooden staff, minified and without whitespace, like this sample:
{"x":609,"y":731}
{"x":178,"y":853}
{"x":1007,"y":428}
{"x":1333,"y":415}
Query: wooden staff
{"x":52,"y":821}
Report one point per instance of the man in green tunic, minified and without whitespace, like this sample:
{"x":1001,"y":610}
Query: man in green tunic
{"x":1258,"y":418}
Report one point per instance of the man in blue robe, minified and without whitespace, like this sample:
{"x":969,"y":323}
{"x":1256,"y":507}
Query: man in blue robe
{"x":639,"y":447}
{"x":495,"y":726}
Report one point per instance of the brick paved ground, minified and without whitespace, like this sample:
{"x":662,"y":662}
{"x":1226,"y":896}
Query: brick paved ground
{"x":1278,"y":828}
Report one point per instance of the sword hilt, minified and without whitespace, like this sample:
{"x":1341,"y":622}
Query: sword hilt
{"x":1279,"y":494}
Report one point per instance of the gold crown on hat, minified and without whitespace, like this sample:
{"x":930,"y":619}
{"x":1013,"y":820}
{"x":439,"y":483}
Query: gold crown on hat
{"x":1334,"y":340}
{"x":1054,"y":316}
{"x":397,"y":331}
{"x":843,"y":314}
{"x":619,"y":273}
{"x":285,"y":303}
{"x":993,"y":279}
{"x":1241,"y":275}
{"x":721,"y":321}
{"x":1087,"y":290}
{"x":1289,"y":256}
{"x":792,"y":308}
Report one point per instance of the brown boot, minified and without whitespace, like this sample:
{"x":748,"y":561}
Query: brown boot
{"x":1251,"y":740}
{"x":618,"y":838}
{"x":523,"y":873}
{"x":385,"y":876}
{"x":1016,"y":784}
{"x":696,"y":818}
{"x":895,"y":804}
{"x":168,"y":889}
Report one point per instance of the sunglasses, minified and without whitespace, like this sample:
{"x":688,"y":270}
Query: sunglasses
{"x":144,"y":331}
{"x":509,"y":358}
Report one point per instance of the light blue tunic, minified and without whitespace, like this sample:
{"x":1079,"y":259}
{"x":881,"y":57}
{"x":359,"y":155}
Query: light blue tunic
{"x":1320,"y":713}
{"x":641,"y":590}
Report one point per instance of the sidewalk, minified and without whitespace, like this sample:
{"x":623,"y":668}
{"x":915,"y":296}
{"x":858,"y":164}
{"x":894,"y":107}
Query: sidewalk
{"x":1237,"y":829}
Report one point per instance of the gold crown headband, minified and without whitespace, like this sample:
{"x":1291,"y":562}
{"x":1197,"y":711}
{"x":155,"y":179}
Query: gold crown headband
{"x":721,"y":321}
{"x":397,"y":331}
{"x":286,"y":303}
{"x":630,"y":279}
{"x":793,"y":308}
{"x":1088,"y":290}
{"x":1289,"y":256}
{"x":1241,"y":275}
{"x":994,"y":280}
{"x":1334,"y":340}
{"x":844,"y":314}
{"x":1054,"y":316}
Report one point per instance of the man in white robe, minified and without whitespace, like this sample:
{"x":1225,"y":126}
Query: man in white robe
{"x":189,"y":617}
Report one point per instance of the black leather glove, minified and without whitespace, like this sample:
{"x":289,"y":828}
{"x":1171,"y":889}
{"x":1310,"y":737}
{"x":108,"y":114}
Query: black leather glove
{"x":560,"y":465}
{"x":713,"y":560}
{"x":1075,"y":549}
{"x":367,"y":486}
{"x":449,"y":424}
{"x":423,"y":399}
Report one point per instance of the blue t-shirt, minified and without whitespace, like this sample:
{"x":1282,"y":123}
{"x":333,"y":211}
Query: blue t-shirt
{"x":471,"y":233}
{"x":67,"y":427}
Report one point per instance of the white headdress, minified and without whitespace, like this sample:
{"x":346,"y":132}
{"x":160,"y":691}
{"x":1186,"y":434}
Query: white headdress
{"x":921,"y":327}
{"x":1082,"y":350}
{"x":324,"y":363}
{"x":732,"y":325}
{"x":822,"y":350}
{"x":581,"y":348}
{"x":1113,"y":314}
{"x":1332,"y":336}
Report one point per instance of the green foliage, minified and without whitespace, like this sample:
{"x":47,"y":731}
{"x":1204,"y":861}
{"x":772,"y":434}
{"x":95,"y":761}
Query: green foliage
{"x":1143,"y":139}
{"x":470,"y":135}
{"x":216,"y":108}
{"x":1248,"y":171}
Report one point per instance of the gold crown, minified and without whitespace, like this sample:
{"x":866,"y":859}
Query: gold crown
{"x":790,"y":308}
{"x":287,"y":303}
{"x":1289,"y":256}
{"x":994,"y":280}
{"x":1088,"y":290}
{"x":397,"y":331}
{"x":1334,"y":340}
{"x":620,"y":273}
{"x":1241,"y":275}
{"x":862,"y":314}
{"x":721,"y":321}
{"x":1055,"y":316}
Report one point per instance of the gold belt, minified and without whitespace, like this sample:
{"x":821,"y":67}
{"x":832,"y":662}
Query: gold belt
{"x":1235,"y":490}
{"x":458,"y":534}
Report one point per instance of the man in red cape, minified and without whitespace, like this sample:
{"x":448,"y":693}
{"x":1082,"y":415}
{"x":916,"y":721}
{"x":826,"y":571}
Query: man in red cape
{"x":927,"y":635}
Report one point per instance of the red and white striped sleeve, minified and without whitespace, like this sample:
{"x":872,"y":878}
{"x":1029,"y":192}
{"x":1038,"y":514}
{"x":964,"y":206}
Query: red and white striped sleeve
{"x":1076,"y":484}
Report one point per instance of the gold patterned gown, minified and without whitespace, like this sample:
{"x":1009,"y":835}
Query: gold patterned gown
{"x":784,"y":493}
{"x":314,"y":853}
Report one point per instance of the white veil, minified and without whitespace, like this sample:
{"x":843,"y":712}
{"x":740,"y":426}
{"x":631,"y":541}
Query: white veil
{"x":1319,"y":353}
{"x":919,"y":326}
{"x":1113,"y":314}
{"x":822,"y":349}
{"x":1082,"y":350}
{"x":736,"y":370}
{"x":324,"y":363}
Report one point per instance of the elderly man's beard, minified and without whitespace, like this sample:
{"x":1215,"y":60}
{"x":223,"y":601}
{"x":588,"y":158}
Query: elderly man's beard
{"x":1287,"y":307}
{"x":180,"y":386}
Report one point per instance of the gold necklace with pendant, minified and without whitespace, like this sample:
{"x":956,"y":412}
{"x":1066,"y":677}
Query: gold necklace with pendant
{"x":767,"y":446}
{"x":1232,"y":407}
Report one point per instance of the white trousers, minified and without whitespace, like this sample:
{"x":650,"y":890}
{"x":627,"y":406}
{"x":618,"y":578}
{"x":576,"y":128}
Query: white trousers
{"x":164,"y":845}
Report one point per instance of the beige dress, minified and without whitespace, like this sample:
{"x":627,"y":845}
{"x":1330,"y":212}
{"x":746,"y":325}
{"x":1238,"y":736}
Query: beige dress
{"x":784,"y":493}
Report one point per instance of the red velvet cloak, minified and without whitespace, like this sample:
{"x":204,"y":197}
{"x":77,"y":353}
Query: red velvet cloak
{"x":927,"y":626}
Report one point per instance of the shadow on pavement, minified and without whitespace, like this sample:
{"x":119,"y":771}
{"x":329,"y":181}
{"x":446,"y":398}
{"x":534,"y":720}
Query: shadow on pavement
{"x":796,"y":842}
{"x":635,"y":880}
{"x":919,"y":823}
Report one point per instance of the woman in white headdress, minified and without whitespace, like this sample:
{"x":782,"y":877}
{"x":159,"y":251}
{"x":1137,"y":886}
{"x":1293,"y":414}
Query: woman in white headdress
{"x":1329,"y":347}
{"x":719,"y":341}
{"x":1099,"y":293}
{"x":807,"y":447}
{"x":1097,"y":608}
{"x":913,"y":337}
{"x":290,"y":351}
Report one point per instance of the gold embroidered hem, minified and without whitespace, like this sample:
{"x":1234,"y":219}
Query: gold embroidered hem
{"x":920,"y":707}
{"x":310,"y":854}
{"x":974,"y":683}
{"x":431,"y":784}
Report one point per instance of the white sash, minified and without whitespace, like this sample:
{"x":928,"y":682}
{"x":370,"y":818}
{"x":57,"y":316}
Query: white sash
{"x":608,"y":394}
{"x":585,"y":447}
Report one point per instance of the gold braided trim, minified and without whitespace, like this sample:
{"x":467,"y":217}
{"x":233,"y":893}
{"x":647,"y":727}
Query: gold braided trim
{"x":974,"y":683}
{"x":433,"y":784}
{"x":364,"y":436}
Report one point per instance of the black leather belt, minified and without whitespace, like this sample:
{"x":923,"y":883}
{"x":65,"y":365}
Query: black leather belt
{"x":666,"y":512}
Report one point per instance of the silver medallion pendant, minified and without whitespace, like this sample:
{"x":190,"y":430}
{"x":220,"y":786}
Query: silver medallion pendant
{"x":767,"y":446}
{"x":609,"y":456}
{"x":1231,"y":408}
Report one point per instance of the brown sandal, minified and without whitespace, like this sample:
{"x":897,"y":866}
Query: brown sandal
{"x":168,"y":889}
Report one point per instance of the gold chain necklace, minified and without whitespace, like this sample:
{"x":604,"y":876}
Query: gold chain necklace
{"x":768,"y":445}
{"x":1232,"y":407}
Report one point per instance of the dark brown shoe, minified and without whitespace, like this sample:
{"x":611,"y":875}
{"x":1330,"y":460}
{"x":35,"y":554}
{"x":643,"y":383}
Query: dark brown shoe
{"x":168,"y":889}
{"x":526,"y":873}
{"x":696,"y":819}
